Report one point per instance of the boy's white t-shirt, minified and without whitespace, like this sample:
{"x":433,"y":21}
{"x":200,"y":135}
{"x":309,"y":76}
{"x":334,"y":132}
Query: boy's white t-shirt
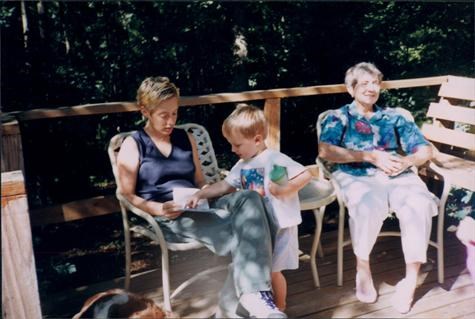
{"x":253,"y":174}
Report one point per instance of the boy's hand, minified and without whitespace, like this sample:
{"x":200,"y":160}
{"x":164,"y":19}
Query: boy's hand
{"x":192,"y":202}
{"x":277,"y":190}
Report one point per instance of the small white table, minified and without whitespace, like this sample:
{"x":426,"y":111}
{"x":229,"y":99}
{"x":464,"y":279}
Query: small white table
{"x":315,"y":196}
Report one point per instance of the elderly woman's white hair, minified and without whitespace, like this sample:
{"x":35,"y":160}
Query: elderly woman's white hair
{"x":353,"y":73}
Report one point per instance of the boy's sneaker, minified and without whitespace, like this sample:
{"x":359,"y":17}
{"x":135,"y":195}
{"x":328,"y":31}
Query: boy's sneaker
{"x":259,"y":305}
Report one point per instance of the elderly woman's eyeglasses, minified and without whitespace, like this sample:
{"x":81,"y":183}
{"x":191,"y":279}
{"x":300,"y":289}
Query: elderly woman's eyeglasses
{"x":366,"y":85}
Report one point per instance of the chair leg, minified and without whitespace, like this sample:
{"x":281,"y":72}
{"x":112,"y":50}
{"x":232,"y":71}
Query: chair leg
{"x":320,"y":250}
{"x":440,"y":247}
{"x":128,"y":253}
{"x":316,"y":243}
{"x":341,"y":229}
{"x":440,"y":264}
{"x":166,"y":279}
{"x":128,"y":258}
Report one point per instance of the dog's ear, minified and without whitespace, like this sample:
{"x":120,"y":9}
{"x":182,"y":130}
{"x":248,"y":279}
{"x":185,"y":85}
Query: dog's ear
{"x":151,"y":312}
{"x":89,"y":302}
{"x":141,"y":308}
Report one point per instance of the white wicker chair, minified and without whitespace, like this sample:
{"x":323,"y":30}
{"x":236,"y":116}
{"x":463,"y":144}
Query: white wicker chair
{"x":326,"y":168}
{"x":152,"y":229}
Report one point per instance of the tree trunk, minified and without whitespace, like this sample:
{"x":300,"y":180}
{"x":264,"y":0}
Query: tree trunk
{"x":41,"y":10}
{"x":24,"y":23}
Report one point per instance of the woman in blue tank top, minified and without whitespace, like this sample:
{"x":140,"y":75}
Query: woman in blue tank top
{"x":158,"y":158}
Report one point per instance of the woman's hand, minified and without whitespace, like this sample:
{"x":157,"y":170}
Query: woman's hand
{"x":405,"y":164}
{"x":388,"y":163}
{"x":169,"y":210}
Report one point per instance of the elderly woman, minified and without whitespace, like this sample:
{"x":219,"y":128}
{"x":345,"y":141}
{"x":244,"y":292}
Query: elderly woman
{"x":362,"y":138}
{"x":158,"y":158}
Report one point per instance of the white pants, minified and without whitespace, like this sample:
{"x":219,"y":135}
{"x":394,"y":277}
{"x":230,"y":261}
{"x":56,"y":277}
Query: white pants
{"x":369,"y":200}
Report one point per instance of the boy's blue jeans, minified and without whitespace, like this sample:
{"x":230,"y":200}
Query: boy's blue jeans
{"x":241,"y":226}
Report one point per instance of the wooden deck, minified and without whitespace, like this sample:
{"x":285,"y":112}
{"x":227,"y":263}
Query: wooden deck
{"x":454,"y":299}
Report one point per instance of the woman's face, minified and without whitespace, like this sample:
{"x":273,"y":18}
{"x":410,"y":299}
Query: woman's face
{"x":162,"y":118}
{"x":366,"y":90}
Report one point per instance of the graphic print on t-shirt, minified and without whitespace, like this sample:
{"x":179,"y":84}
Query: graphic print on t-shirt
{"x":253,"y":179}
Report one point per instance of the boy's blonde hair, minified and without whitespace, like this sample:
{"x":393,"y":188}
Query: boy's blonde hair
{"x":353,"y":73}
{"x":246,"y":119}
{"x":155,"y":89}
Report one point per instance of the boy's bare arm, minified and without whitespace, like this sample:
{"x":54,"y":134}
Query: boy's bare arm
{"x":293,"y":185}
{"x":212,"y":191}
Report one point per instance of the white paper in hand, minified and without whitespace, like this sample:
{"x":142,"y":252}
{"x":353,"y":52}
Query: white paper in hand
{"x":181,"y":196}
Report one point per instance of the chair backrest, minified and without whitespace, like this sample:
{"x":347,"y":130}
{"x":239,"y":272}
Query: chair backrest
{"x":209,"y":164}
{"x":325,"y":166}
{"x":114,"y":148}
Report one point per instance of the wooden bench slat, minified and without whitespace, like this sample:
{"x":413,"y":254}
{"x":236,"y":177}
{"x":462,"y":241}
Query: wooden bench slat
{"x":458,"y":87}
{"x":446,"y":111}
{"x":449,"y":136}
{"x":460,"y":171}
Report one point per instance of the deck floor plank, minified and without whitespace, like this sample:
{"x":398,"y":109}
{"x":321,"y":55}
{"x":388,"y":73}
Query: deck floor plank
{"x":454,"y":299}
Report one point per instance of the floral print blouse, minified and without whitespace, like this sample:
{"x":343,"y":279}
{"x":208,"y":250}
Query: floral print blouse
{"x":387,"y":130}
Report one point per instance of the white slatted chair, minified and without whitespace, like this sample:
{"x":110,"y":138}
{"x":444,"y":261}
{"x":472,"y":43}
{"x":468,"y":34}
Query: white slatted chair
{"x":151,"y":229}
{"x":315,"y":196}
{"x":327,"y":168}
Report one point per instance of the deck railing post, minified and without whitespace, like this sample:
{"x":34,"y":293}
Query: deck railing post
{"x":20,"y":298}
{"x":12,"y":154}
{"x":272,"y":112}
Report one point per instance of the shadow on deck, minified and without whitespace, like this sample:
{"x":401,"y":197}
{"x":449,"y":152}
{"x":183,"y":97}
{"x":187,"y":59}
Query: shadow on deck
{"x":454,"y":299}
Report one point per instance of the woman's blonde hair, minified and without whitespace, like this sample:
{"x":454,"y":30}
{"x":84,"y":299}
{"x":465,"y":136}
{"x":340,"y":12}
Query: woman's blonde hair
{"x":246,"y":119}
{"x":155,"y":89}
{"x":353,"y":73}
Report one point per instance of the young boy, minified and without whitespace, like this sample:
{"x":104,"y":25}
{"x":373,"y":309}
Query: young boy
{"x":246,"y":130}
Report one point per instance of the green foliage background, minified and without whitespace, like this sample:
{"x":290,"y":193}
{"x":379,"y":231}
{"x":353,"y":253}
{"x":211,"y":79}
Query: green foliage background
{"x":99,"y":51}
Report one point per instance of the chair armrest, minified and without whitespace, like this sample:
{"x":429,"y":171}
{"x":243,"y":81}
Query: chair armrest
{"x":146,"y":216}
{"x":137,"y":211}
{"x":322,"y":165}
{"x":445,"y":178}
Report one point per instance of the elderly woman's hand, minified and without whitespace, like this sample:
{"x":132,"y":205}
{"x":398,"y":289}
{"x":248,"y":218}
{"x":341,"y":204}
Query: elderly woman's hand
{"x":406,"y":162}
{"x":388,"y":163}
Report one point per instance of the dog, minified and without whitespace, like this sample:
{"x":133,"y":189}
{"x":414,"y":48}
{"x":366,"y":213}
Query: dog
{"x":118,"y":303}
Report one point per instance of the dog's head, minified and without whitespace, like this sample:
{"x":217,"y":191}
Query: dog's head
{"x":118,"y":303}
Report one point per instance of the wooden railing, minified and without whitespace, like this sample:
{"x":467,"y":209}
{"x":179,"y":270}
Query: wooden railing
{"x":12,"y":156}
